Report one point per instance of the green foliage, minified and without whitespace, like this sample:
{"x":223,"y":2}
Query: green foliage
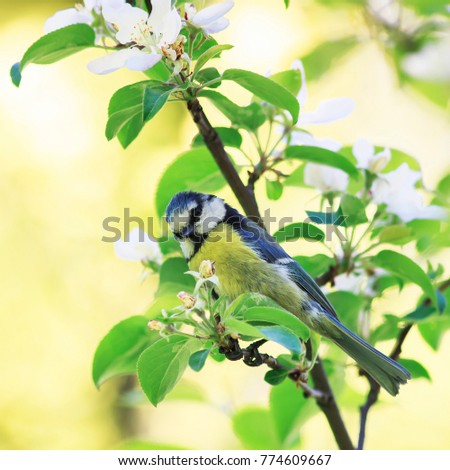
{"x":132,"y":106}
{"x":347,"y":306}
{"x":229,"y":136}
{"x":416,"y":368}
{"x":323,"y":157}
{"x":289,"y":79}
{"x":55,"y":46}
{"x":353,"y":209}
{"x":209,"y":54}
{"x":402,"y":266}
{"x":195,"y":170}
{"x":277,"y":317}
{"x":198,"y":359}
{"x":283,"y":336}
{"x":265,"y":89}
{"x":274,"y":189}
{"x":315,"y":265}
{"x":162,"y":364}
{"x":119,"y":350}
{"x":276,"y":376}
{"x":298,"y":230}
{"x":249,"y":117}
{"x":255,"y":428}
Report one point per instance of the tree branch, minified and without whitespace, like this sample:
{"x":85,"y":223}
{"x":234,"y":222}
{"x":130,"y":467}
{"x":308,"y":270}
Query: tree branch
{"x":244,"y":194}
{"x":374,"y":390}
{"x":246,"y":198}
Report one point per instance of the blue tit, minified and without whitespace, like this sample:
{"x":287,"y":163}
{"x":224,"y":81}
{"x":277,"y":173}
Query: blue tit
{"x":248,"y":259}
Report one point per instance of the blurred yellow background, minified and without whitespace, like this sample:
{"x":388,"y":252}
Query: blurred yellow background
{"x":62,"y":288}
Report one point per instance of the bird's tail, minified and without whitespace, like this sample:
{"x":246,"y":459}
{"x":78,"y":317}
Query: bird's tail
{"x":388,"y":373}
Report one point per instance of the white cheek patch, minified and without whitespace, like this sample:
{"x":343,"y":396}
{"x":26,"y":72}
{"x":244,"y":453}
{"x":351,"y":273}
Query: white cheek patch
{"x":213,"y":213}
{"x":187,"y":247}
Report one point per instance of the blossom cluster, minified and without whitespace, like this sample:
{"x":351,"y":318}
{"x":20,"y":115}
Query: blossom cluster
{"x":137,"y":39}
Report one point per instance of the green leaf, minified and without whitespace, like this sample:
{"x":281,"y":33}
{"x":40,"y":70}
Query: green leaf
{"x":286,"y":3}
{"x":172,"y":279}
{"x":119,"y":350}
{"x":255,"y":429}
{"x":323,"y":58}
{"x":299,"y":230}
{"x":274,"y":189}
{"x":398,"y":158}
{"x":193,"y":170}
{"x":283,"y":336}
{"x":158,"y":72}
{"x":275,"y":377}
{"x":207,"y":75}
{"x":243,"y":328}
{"x":15,"y":74}
{"x":289,"y":79}
{"x":265,"y":89}
{"x":59,"y":44}
{"x":396,"y":234}
{"x":209,"y":54}
{"x":416,"y":368}
{"x":328,"y":218}
{"x":387,"y":330}
{"x":322,"y":157}
{"x":427,"y":7}
{"x":242,"y":303}
{"x":347,"y":306}
{"x":132,"y":106}
{"x":407,"y":269}
{"x":315,"y":265}
{"x":279,"y":317}
{"x":248,"y":117}
{"x":288,"y":419}
{"x":162,"y":365}
{"x":198,"y":359}
{"x":353,"y":210}
{"x":229,"y":136}
{"x":433,"y":331}
{"x":421,"y":313}
{"x":203,"y":47}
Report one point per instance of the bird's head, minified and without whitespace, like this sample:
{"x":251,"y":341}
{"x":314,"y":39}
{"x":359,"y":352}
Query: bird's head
{"x":193,"y":215}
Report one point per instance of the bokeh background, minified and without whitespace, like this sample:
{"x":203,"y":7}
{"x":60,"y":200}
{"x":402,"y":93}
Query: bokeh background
{"x":62,"y":288}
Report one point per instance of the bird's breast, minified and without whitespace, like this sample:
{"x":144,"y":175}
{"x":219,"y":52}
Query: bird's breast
{"x":240,"y":270}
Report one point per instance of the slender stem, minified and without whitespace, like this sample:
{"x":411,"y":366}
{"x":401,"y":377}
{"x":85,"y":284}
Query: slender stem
{"x":246,"y":197}
{"x":374,"y":390}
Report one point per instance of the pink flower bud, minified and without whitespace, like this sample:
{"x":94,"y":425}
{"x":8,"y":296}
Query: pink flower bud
{"x":187,"y":300}
{"x":207,"y":269}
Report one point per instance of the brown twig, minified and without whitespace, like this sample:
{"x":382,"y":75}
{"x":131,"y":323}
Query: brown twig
{"x":247,"y":199}
{"x":374,"y":389}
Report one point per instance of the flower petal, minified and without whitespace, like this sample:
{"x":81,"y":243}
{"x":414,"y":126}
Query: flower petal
{"x":212,"y":13}
{"x":170,"y":27}
{"x":67,"y":17}
{"x":142,"y":61}
{"x":217,"y":26}
{"x":125,"y":18}
{"x":112,"y":62}
{"x":363,"y":150}
{"x":329,"y":111}
{"x":302,"y":96}
{"x":138,"y":246}
{"x":299,"y":137}
{"x":325,"y":178}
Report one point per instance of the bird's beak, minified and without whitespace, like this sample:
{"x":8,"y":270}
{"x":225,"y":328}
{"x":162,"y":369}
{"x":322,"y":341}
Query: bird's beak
{"x":187,"y":231}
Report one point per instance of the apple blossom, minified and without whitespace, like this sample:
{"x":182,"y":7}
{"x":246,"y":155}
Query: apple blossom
{"x":138,"y":246}
{"x":397,"y":190}
{"x":211,"y":19}
{"x":324,"y":178}
{"x":87,"y":13}
{"x":148,"y":38}
{"x":368,"y":159}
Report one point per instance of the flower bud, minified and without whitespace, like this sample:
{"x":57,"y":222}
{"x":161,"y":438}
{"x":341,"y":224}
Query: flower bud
{"x":155,"y":325}
{"x":187,"y":300}
{"x":207,"y":269}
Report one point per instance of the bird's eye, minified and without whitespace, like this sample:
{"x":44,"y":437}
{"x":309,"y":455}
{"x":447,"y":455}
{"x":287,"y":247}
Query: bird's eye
{"x":195,"y":213}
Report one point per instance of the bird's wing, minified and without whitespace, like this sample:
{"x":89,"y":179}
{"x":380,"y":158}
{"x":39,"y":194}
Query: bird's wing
{"x":269,"y":250}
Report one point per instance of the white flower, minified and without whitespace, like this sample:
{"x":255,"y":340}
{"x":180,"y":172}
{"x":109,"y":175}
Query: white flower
{"x":81,"y":13}
{"x":304,"y":138}
{"x":368,"y":159}
{"x":397,"y":190}
{"x":138,"y":246}
{"x":324,"y":178}
{"x":151,"y":37}
{"x":211,"y":19}
{"x":354,"y":282}
{"x":431,"y":63}
{"x":328,"y":111}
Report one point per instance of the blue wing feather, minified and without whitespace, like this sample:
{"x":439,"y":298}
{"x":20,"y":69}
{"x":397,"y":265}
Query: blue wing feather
{"x":270,"y":251}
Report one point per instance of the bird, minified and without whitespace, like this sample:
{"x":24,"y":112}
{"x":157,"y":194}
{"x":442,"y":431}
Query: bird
{"x":248,"y":259}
